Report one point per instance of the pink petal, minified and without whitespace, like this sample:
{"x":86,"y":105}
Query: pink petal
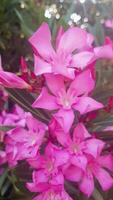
{"x":80,"y":132}
{"x":18,"y":134}
{"x":105,"y":180}
{"x":90,"y":39}
{"x":3,"y":157}
{"x":106,"y":161}
{"x":94,"y":147}
{"x":45,"y":100}
{"x":41,"y":66}
{"x":73,"y":173}
{"x":104,"y":51}
{"x":82,"y":59}
{"x":73,"y":38}
{"x":55,"y":130}
{"x":10,"y":80}
{"x":60,"y":68}
{"x":79,"y":161}
{"x":65,"y":119}
{"x":87,"y":104}
{"x":62,"y":157}
{"x":59,"y":35}
{"x":58,"y":179}
{"x":83,"y":83}
{"x":55,"y":83}
{"x":34,"y":125}
{"x":41,"y":43}
{"x":87,"y":184}
{"x":32,"y":187}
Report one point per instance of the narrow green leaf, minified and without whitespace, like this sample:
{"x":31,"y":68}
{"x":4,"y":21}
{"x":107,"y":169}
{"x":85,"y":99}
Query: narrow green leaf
{"x":97,"y":195}
{"x":6,"y":128}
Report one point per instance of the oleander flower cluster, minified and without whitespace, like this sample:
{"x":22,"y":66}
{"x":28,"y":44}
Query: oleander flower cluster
{"x":62,"y":150}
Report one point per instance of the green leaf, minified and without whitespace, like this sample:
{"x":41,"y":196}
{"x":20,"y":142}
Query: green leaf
{"x":97,"y":195}
{"x":6,"y":128}
{"x":3,"y":178}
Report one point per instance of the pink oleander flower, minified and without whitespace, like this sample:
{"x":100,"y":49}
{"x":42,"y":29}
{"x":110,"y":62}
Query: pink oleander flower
{"x":81,"y":145}
{"x":11,"y":80}
{"x":49,"y":187}
{"x":96,"y":168}
{"x":42,"y":181}
{"x":66,"y":100}
{"x":52,"y":160}
{"x":63,"y":60}
{"x":16,"y":117}
{"x":24,"y":143}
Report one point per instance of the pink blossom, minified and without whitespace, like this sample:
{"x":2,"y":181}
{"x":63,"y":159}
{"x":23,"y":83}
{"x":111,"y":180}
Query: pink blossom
{"x":49,"y":185}
{"x":52,"y":160}
{"x":15,"y":117}
{"x":63,"y":61}
{"x":21,"y":143}
{"x":95,"y":168}
{"x":81,"y":145}
{"x":66,"y":100}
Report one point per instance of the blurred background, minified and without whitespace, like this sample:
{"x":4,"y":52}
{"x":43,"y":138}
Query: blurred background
{"x":20,"y":18}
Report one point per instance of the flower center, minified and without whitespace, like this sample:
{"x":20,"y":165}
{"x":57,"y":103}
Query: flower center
{"x":53,"y":196}
{"x":50,"y":166}
{"x":66,"y":99}
{"x":74,"y":148}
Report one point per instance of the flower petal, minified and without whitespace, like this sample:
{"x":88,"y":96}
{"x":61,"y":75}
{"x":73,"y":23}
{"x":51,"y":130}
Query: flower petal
{"x":55,"y":83}
{"x":73,"y":173}
{"x":83,"y":83}
{"x":59,"y":35}
{"x":65,"y":119}
{"x":62,"y":157}
{"x":40,"y":66}
{"x":106,"y":161}
{"x":94,"y":147}
{"x":79,"y":161}
{"x":80,"y":132}
{"x":87,"y":184}
{"x":105,"y":180}
{"x":82,"y":59}
{"x":87,"y":104}
{"x":41,"y":43}
{"x":11,"y":80}
{"x":45,"y":100}
{"x":73,"y":38}
{"x":104,"y":51}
